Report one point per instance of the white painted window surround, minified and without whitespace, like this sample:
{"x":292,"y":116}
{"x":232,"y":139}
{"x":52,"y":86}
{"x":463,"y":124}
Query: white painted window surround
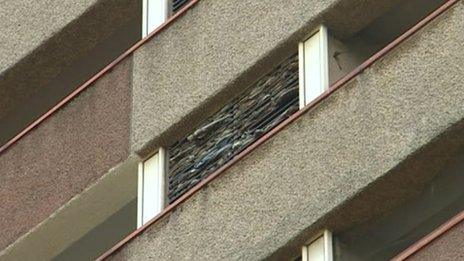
{"x":154,"y":13}
{"x":313,"y":66}
{"x":319,"y":249}
{"x":151,"y":187}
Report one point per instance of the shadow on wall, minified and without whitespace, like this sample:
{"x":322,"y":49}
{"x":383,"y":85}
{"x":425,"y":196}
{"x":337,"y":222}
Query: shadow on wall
{"x":40,"y":89}
{"x":103,"y":236}
{"x":345,"y":54}
{"x":383,"y":238}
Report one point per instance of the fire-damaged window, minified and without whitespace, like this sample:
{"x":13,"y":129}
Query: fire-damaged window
{"x":270,"y":100}
{"x":178,"y":4}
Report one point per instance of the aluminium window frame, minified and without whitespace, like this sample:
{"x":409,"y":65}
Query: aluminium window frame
{"x":152,"y":9}
{"x":142,"y":186}
{"x":306,"y":86}
{"x":327,"y":237}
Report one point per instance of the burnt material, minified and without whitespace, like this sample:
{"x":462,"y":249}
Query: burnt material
{"x":178,"y":4}
{"x":269,"y":101}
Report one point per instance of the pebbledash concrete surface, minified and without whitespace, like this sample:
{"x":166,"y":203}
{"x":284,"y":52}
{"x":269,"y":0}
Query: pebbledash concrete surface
{"x":447,"y":247}
{"x":361,"y":139}
{"x":37,"y":27}
{"x":217,"y":50}
{"x":61,"y":233}
{"x":49,"y":48}
{"x":82,"y":142}
{"x":357,"y":139}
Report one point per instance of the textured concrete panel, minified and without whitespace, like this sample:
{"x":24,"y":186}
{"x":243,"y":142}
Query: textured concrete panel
{"x":448,"y":247}
{"x":385,"y":235}
{"x":49,"y":48}
{"x":27,"y":24}
{"x":331,"y":154}
{"x":88,"y":214}
{"x":219,"y":48}
{"x":65,"y":154}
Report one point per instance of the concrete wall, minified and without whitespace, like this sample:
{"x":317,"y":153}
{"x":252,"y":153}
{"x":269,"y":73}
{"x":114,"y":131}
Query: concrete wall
{"x":448,"y":247}
{"x":92,"y":213}
{"x":49,"y":48}
{"x":217,"y":50}
{"x":65,"y":154}
{"x":342,"y":58}
{"x":383,"y":237}
{"x":347,"y":53}
{"x":27,"y":24}
{"x":103,"y":236}
{"x":349,"y":142}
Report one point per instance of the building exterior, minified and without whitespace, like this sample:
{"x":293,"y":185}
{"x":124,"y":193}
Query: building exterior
{"x":231,"y":130}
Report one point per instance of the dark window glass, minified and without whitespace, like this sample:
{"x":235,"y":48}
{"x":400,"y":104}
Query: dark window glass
{"x":241,"y":122}
{"x":178,"y":4}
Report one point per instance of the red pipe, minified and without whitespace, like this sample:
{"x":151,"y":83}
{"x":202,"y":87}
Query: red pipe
{"x":97,"y":76}
{"x":337,"y":85}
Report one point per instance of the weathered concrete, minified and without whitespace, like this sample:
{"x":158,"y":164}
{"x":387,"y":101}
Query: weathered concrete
{"x":27,"y":24}
{"x":66,"y":229}
{"x":218,"y":49}
{"x":65,"y":154}
{"x":388,"y":233}
{"x":448,"y":247}
{"x":350,"y":141}
{"x":104,"y":235}
{"x":49,"y":48}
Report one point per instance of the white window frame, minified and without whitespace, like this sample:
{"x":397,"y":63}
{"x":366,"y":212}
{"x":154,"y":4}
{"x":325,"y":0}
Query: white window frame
{"x":154,"y":14}
{"x":313,"y":66}
{"x":314,"y":247}
{"x":151,"y":189}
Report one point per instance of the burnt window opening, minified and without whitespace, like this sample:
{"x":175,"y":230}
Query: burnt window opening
{"x":265,"y":104}
{"x":178,"y":4}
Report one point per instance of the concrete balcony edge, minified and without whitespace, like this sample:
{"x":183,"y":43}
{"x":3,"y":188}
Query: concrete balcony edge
{"x":77,"y":217}
{"x":204,"y":60}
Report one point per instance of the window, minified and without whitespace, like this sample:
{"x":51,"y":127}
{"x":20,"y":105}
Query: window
{"x":154,"y":13}
{"x":178,"y":4}
{"x":151,"y":187}
{"x":319,"y":249}
{"x":314,"y":75}
{"x":266,"y":103}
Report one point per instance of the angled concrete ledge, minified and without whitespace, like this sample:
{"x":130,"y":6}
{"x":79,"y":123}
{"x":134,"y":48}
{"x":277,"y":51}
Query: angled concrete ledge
{"x":65,"y":154}
{"x":79,"y":216}
{"x":48,"y":49}
{"x":26,"y":25}
{"x":357,"y":137}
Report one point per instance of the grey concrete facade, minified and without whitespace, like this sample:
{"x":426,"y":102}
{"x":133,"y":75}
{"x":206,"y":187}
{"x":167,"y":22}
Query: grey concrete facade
{"x":91,"y":213}
{"x":366,"y":137}
{"x":442,"y":198}
{"x":49,"y":48}
{"x":218,"y":49}
{"x":32,"y":17}
{"x":65,"y":154}
{"x":448,"y":247}
{"x":349,"y":142}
